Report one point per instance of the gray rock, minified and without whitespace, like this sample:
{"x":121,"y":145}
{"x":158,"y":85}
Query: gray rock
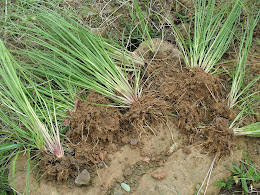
{"x":83,"y":178}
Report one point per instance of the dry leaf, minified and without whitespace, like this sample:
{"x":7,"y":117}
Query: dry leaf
{"x":159,"y":175}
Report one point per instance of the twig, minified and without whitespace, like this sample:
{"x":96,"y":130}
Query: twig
{"x":207,"y":176}
{"x":211,"y":94}
{"x":5,"y":9}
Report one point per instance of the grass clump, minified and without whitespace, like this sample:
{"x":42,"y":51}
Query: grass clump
{"x":241,"y":93}
{"x":238,"y":87}
{"x":70,"y":53}
{"x":19,"y":112}
{"x":213,"y":34}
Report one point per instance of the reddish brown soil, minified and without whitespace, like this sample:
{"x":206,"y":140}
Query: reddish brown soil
{"x":93,"y":122}
{"x":197,"y":98}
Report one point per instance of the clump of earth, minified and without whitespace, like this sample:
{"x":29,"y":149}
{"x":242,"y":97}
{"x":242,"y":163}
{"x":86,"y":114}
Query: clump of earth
{"x":164,"y":141}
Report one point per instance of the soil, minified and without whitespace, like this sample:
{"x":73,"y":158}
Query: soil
{"x":182,"y":119}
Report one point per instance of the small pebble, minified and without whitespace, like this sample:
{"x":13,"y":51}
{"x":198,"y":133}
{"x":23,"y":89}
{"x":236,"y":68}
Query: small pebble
{"x":159,"y":175}
{"x":146,"y":159}
{"x":134,"y":141}
{"x":83,"y":178}
{"x":100,"y":164}
{"x":125,"y":187}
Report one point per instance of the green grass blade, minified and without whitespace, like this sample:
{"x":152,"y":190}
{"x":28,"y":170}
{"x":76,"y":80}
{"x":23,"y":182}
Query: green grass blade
{"x":74,"y":54}
{"x":16,"y":98}
{"x":238,"y":88}
{"x":252,"y":130}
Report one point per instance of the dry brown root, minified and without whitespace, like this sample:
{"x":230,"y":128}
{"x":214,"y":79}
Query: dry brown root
{"x":150,"y":109}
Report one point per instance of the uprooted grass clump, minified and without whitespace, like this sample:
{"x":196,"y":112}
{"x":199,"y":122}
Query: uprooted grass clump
{"x":202,"y":112}
{"x":94,"y":126}
{"x":198,"y":101}
{"x":98,"y":129}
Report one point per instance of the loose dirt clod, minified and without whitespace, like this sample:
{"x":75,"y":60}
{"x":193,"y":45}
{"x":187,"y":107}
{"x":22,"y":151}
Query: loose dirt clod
{"x":58,"y":169}
{"x":159,"y":175}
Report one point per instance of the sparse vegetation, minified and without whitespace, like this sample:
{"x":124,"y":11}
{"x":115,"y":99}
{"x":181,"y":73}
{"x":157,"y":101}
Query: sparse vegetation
{"x":244,"y":175}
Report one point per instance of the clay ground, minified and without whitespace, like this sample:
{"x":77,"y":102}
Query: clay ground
{"x":163,"y":144}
